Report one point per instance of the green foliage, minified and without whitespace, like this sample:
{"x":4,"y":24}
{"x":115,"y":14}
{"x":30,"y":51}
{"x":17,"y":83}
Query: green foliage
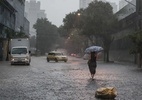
{"x":137,"y":41}
{"x":74,"y":43}
{"x":47,"y":35}
{"x":96,"y":22}
{"x":69,"y":21}
{"x":12,"y":34}
{"x":62,"y":32}
{"x":72,"y":21}
{"x":98,"y":19}
{"x":99,"y":22}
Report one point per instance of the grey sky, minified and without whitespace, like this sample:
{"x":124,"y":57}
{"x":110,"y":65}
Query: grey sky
{"x":56,"y":10}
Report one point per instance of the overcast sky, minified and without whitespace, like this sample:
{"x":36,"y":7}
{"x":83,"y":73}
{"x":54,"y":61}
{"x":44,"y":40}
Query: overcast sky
{"x":56,"y":10}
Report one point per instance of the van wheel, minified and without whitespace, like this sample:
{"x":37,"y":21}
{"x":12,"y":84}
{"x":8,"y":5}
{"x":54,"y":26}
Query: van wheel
{"x":47,"y":60}
{"x":56,"y":60}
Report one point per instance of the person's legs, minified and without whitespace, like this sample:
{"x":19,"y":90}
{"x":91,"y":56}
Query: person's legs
{"x":92,"y":75}
{"x":92,"y":68}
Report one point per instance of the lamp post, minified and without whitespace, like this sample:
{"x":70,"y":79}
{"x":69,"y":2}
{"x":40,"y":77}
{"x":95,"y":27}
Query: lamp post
{"x":78,"y":14}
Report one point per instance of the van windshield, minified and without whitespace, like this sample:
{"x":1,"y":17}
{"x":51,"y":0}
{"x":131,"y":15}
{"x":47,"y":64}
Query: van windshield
{"x":19,"y":51}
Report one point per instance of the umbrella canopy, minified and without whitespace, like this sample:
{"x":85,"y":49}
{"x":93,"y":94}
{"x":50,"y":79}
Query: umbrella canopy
{"x":93,"y":49}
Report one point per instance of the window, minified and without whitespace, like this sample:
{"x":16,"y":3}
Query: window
{"x":19,"y":51}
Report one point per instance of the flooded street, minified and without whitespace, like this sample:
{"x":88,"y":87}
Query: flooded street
{"x":44,"y":80}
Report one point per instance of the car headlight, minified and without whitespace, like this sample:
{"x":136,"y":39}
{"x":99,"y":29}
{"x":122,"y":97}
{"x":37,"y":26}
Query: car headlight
{"x":27,"y":58}
{"x":12,"y":59}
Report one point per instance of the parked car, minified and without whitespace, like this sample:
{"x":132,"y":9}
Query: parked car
{"x":73,"y":54}
{"x":56,"y":56}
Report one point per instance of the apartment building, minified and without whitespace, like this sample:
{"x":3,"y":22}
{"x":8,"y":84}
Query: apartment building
{"x":122,"y":3}
{"x":11,"y":18}
{"x":19,"y":6}
{"x":32,"y":13}
{"x":85,"y":3}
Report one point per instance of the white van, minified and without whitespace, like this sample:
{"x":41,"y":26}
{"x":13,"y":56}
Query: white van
{"x":20,"y":51}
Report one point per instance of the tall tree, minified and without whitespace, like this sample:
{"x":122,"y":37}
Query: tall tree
{"x":63,"y":32}
{"x":72,"y":21}
{"x":137,"y":47}
{"x":99,"y":23}
{"x":75,"y":43}
{"x":47,"y":35}
{"x":72,"y":24}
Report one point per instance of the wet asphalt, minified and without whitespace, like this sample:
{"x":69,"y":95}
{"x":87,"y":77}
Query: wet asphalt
{"x":44,"y":80}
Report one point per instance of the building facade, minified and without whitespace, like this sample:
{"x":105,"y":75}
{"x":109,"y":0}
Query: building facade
{"x":11,"y":20}
{"x":123,"y":3}
{"x":85,"y":3}
{"x":7,"y":21}
{"x":114,"y":6}
{"x":32,"y":13}
{"x":19,"y":6}
{"x":128,"y":24}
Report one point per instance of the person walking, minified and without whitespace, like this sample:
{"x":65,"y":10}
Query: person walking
{"x":92,"y":64}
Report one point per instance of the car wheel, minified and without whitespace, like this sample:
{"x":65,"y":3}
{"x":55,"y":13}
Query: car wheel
{"x":28,"y":64}
{"x":56,"y":60}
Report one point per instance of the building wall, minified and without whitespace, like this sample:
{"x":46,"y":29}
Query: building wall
{"x":7,"y":18}
{"x":114,"y":6}
{"x":121,"y":46}
{"x":122,"y":3}
{"x":7,"y":15}
{"x":26,"y":26}
{"x":33,"y":12}
{"x":7,"y":21}
{"x":19,"y":5}
{"x":126,"y":11}
{"x":85,"y":3}
{"x":11,"y":17}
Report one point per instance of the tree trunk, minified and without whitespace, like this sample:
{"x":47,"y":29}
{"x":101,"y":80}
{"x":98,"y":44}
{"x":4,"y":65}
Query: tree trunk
{"x":139,"y":60}
{"x":7,"y":56}
{"x":107,"y":56}
{"x":104,"y":56}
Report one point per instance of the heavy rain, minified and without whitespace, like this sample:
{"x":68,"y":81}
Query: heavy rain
{"x":70,"y":50}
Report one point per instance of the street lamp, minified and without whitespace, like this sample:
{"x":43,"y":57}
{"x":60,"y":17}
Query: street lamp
{"x":78,"y":14}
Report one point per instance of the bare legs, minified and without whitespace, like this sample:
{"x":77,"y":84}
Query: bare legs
{"x":92,"y":76}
